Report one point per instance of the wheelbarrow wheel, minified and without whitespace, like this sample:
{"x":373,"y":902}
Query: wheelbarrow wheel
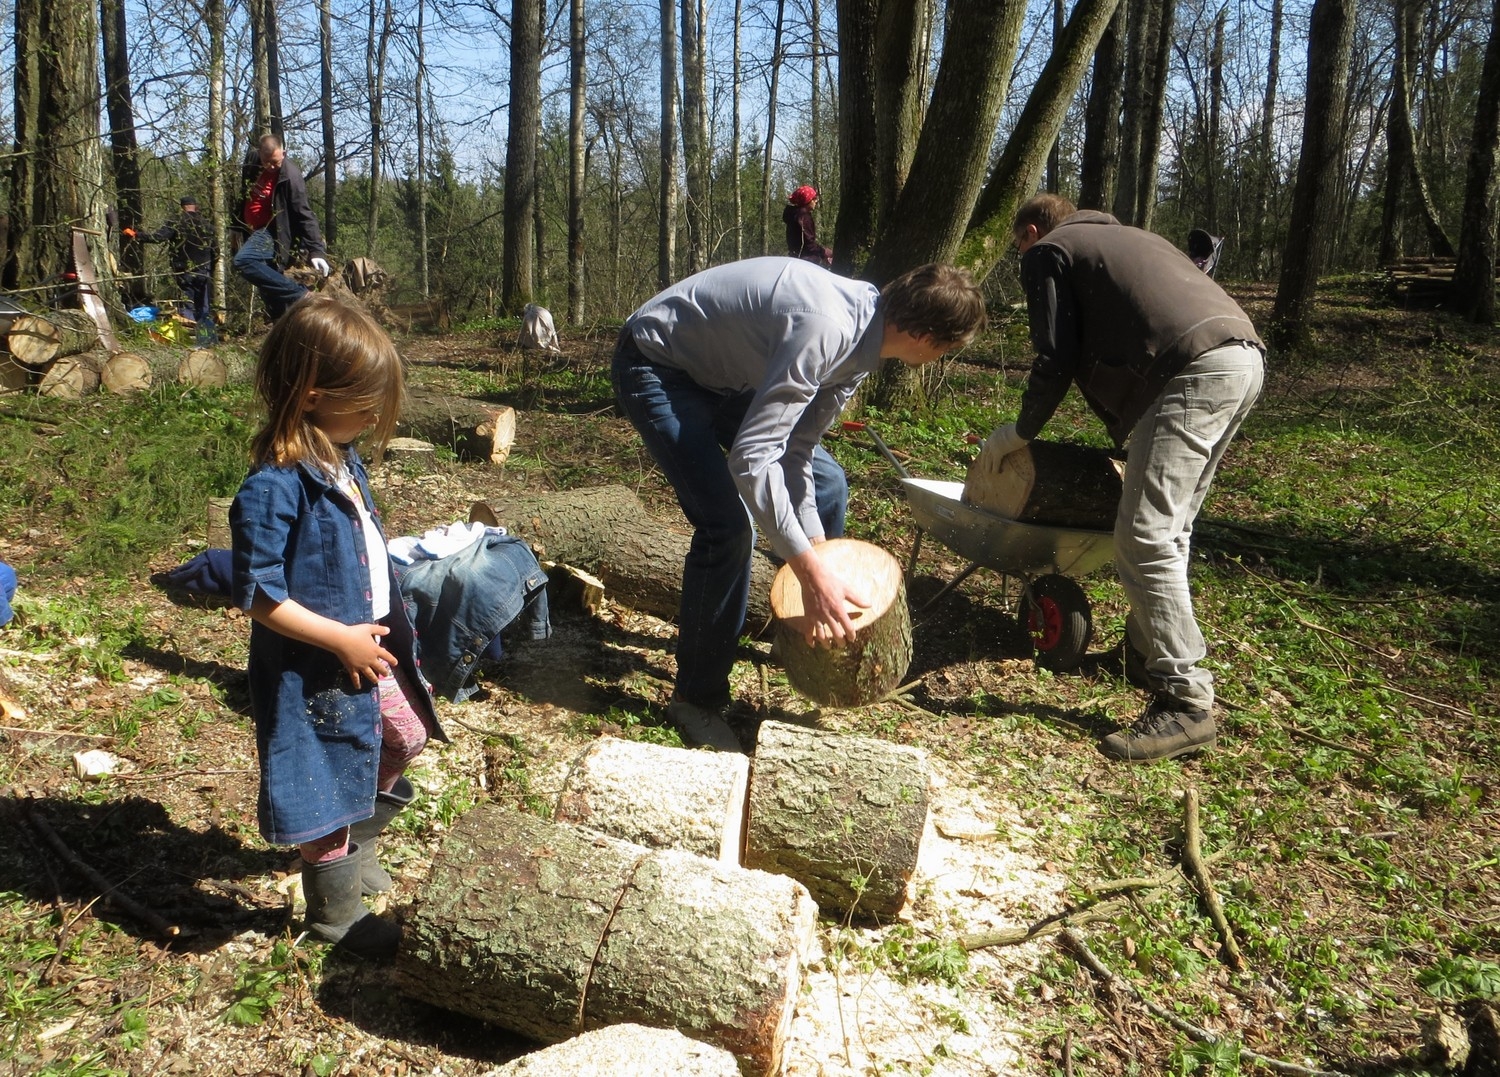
{"x":1054,"y":614}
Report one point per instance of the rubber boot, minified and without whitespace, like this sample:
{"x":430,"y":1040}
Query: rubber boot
{"x":336,"y":914}
{"x":374,"y":879}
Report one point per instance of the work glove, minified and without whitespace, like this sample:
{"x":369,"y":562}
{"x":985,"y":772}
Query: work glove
{"x":321,"y":266}
{"x":1003,"y":441}
{"x":128,"y":233}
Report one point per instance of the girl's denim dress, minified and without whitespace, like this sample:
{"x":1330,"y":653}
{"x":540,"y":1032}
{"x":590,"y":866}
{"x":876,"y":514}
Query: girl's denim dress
{"x":298,"y":536}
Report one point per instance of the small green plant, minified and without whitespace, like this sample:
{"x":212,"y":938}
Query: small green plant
{"x":259,"y":987}
{"x":1461,"y":977}
{"x":1218,"y":1059}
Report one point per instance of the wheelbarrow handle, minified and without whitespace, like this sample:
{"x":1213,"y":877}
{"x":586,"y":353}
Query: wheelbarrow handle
{"x":885,"y":450}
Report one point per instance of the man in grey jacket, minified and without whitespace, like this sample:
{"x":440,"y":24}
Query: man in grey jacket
{"x":275,"y":222}
{"x":1172,"y":366}
{"x":732,"y":376}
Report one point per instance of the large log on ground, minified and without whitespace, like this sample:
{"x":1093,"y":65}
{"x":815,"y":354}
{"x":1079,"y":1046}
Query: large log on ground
{"x":203,"y":368}
{"x":605,"y":530}
{"x":843,"y":815}
{"x":1052,"y":483}
{"x":37,"y":340}
{"x":659,"y":797}
{"x":550,"y":930}
{"x":858,"y":672}
{"x":72,"y":376}
{"x":624,"y":1051}
{"x":125,"y":372}
{"x":474,"y":431}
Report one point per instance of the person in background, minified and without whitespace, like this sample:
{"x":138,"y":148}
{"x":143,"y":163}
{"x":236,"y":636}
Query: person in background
{"x":7,"y":592}
{"x":275,"y":224}
{"x":732,"y":376}
{"x":340,"y":708}
{"x":1172,"y":366}
{"x":190,"y":249}
{"x":801,"y":231}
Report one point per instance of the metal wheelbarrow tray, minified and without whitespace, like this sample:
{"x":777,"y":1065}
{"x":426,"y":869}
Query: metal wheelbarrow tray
{"x":1052,"y":609}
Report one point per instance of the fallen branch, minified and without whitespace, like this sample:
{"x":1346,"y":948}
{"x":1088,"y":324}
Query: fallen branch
{"x":1308,"y":735}
{"x":1074,"y":942}
{"x":1192,"y":856}
{"x":105,"y":887}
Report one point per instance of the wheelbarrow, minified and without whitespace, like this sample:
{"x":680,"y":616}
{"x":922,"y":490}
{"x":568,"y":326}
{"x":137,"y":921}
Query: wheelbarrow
{"x":1052,"y":609}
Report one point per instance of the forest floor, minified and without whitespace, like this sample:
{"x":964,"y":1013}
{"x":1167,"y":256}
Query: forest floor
{"x":1347,"y":575}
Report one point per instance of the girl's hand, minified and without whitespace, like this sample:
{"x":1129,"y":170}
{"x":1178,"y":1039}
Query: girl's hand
{"x":358,"y":647}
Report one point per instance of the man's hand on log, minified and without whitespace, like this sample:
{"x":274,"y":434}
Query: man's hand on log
{"x":826,"y":602}
{"x":1003,"y":441}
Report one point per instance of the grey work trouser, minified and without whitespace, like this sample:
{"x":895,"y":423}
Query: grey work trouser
{"x":1173,"y":452}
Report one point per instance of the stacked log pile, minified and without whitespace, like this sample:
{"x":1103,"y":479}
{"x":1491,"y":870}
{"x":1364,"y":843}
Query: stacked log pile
{"x":60,"y":353}
{"x":1421,"y":283}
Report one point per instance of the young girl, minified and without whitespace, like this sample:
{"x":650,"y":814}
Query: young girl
{"x":339,"y":706}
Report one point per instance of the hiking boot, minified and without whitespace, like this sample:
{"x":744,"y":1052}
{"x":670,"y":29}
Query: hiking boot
{"x":1169,"y":728}
{"x":703,"y":727}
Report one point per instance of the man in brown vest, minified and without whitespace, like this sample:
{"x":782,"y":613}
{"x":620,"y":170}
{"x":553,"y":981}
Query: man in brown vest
{"x":1172,"y":366}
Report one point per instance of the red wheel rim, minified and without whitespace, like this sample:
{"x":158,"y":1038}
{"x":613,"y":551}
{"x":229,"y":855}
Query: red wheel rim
{"x":1044,"y":619}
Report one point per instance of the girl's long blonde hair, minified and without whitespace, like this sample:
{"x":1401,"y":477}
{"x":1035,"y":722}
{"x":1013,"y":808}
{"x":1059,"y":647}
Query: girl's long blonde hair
{"x":329,"y":345}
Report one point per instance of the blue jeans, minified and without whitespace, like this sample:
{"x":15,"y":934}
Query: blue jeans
{"x":1174,"y":451}
{"x":688,"y":430}
{"x":256,"y":262}
{"x":198,"y":288}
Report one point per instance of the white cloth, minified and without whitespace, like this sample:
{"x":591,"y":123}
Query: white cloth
{"x":375,"y":551}
{"x":537,"y":330}
{"x":439,"y":542}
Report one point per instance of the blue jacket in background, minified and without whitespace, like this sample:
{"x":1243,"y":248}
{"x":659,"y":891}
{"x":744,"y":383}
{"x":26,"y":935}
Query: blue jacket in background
{"x":7,"y":591}
{"x":295,"y":535}
{"x":460,"y":604}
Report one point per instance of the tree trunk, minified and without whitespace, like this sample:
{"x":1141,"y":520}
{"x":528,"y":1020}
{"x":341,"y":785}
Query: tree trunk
{"x":1054,"y":155}
{"x":1214,"y":165}
{"x":1265,"y":151}
{"x":474,"y":431}
{"x":23,"y":243}
{"x":777,"y":57}
{"x":71,"y":377}
{"x":1157,"y":67}
{"x":37,"y":340}
{"x":868,"y":668}
{"x":376,"y":53}
{"x":1405,"y":183}
{"x":213,"y":17}
{"x":660,"y":797}
{"x":548,"y":930}
{"x":737,"y":194}
{"x":1330,"y":39}
{"x":424,"y":276}
{"x":1141,"y":28}
{"x":1100,"y":166}
{"x":695,"y":147}
{"x":666,"y":236}
{"x":859,"y":114}
{"x":273,"y":70}
{"x":953,"y":149}
{"x":203,"y":368}
{"x":518,"y":273}
{"x":1019,"y":170}
{"x":260,"y":76}
{"x":1474,"y":276}
{"x":124,"y":373}
{"x":815,"y":18}
{"x":900,"y":57}
{"x":577,"y":159}
{"x":842,"y":815}
{"x":122,"y":142}
{"x":1051,"y":483}
{"x":325,"y":105}
{"x":605,"y":530}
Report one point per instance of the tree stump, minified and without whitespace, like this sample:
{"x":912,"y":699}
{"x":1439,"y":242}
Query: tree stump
{"x":624,"y":1051}
{"x":842,"y":815}
{"x":37,"y":340}
{"x":411,"y":453}
{"x":72,"y":376}
{"x":125,"y":372}
{"x":605,"y":530}
{"x":218,"y":534}
{"x":659,"y":797}
{"x":474,"y":431}
{"x":549,"y":930}
{"x":860,"y":672}
{"x":1052,"y":483}
{"x":203,"y":369}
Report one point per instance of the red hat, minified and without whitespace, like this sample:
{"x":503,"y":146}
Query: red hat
{"x":802,"y":196}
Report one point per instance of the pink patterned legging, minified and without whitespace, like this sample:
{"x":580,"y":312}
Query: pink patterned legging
{"x":403,"y":735}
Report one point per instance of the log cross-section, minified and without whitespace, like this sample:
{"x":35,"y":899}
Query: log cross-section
{"x":1053,"y":483}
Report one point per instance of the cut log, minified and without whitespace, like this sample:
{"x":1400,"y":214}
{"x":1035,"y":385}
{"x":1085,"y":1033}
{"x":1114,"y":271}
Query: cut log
{"x":549,"y":930}
{"x":605,"y":530}
{"x":474,"y":431}
{"x":218,"y":534}
{"x":1051,"y":483}
{"x":659,"y":797}
{"x":37,"y":340}
{"x":624,"y":1051}
{"x":125,"y":372}
{"x":842,"y":815}
{"x":860,"y":672}
{"x":411,"y":453}
{"x":203,"y":369}
{"x":72,"y":376}
{"x":14,"y":376}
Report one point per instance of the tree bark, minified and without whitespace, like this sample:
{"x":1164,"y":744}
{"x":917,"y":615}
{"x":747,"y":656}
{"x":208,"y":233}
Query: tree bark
{"x":1100,"y":165}
{"x":736,"y":186}
{"x":518,"y":274}
{"x":1215,"y":123}
{"x":899,"y":70}
{"x":1406,"y":185}
{"x":424,"y":274}
{"x":213,"y":18}
{"x":1051,"y":483}
{"x":260,"y":76}
{"x":1265,"y":152}
{"x":872,"y":665}
{"x":1157,"y":67}
{"x":36,"y":340}
{"x":842,"y":815}
{"x":70,"y":377}
{"x":325,"y":108}
{"x":1330,"y":39}
{"x":660,"y":797}
{"x":666,"y":235}
{"x":1474,"y":276}
{"x":859,"y":148}
{"x":474,"y":431}
{"x":549,"y":930}
{"x":122,"y":141}
{"x":605,"y":530}
{"x":23,"y":242}
{"x":695,"y":147}
{"x":768,"y":160}
{"x":577,"y":158}
{"x":376,"y":52}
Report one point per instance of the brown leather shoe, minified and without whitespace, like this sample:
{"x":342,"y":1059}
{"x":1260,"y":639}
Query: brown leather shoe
{"x":1167,"y":729}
